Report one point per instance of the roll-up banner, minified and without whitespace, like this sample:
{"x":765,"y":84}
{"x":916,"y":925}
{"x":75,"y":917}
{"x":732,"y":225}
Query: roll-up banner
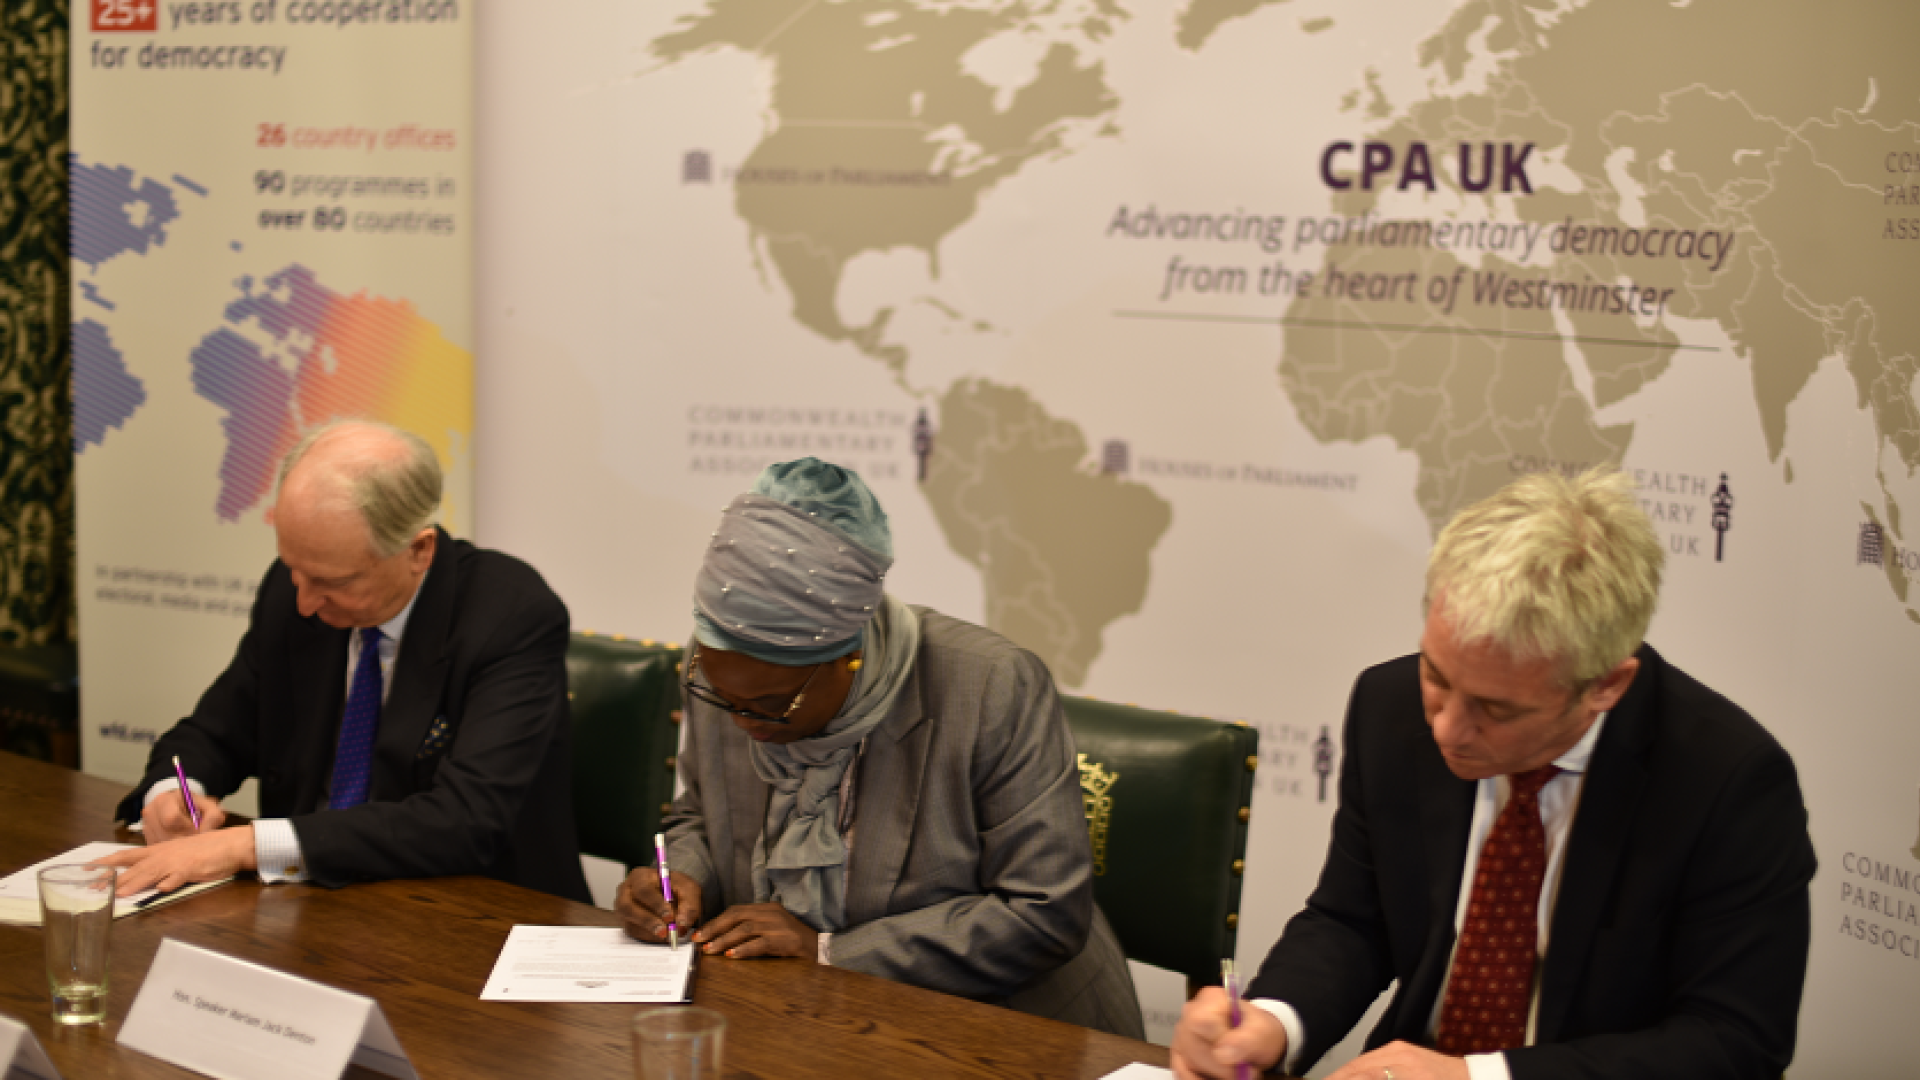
{"x":272,"y":227}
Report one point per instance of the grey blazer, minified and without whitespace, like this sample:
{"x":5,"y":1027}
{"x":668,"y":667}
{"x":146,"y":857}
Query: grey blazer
{"x":971,"y":871}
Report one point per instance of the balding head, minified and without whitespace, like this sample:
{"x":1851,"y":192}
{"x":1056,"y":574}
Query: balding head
{"x":352,"y":517}
{"x":390,"y":477}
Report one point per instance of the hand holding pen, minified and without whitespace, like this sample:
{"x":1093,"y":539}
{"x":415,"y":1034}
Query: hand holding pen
{"x":666,"y":889}
{"x":186,"y":792}
{"x":1230,"y":980}
{"x":171,"y":817}
{"x":1222,"y":1037}
{"x":656,"y":904}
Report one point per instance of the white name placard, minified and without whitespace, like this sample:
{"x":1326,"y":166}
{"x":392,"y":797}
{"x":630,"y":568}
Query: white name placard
{"x":236,"y":1020}
{"x":22,"y":1054}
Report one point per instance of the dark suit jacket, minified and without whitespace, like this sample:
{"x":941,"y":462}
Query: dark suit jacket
{"x":489,"y":791}
{"x":971,"y":871}
{"x":1678,"y":943}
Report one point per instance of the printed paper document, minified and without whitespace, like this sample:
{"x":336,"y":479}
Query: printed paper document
{"x":588,"y":963}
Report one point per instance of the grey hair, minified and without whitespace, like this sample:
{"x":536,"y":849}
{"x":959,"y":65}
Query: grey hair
{"x":397,"y":492}
{"x":1552,"y":567}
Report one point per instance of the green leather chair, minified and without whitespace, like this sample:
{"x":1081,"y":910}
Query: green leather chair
{"x":1168,"y":798}
{"x":40,"y":702}
{"x":626,"y":730}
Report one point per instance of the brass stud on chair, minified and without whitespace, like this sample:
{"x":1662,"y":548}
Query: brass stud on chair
{"x":671,"y":762}
{"x":674,"y":716}
{"x":1233,"y":920}
{"x":666,"y":808}
{"x":1253,"y":762}
{"x":619,"y":637}
{"x":1246,"y":814}
{"x":1239,"y":867}
{"x":647,"y":642}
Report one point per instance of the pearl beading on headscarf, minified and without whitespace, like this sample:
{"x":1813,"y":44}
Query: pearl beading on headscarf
{"x":823,"y":591}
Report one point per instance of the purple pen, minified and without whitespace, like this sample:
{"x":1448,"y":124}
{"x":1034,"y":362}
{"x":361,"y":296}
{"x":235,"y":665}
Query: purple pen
{"x":1230,"y":978}
{"x":186,"y":793}
{"x":666,"y":888}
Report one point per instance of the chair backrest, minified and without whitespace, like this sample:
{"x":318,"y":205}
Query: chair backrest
{"x":40,"y":702}
{"x":1168,"y":798}
{"x":626,"y":730}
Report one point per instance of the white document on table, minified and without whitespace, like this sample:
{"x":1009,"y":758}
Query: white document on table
{"x":588,"y":963}
{"x":20,"y":890}
{"x":1137,"y":1071}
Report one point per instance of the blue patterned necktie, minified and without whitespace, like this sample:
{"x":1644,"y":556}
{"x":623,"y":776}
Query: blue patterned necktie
{"x":353,"y":760}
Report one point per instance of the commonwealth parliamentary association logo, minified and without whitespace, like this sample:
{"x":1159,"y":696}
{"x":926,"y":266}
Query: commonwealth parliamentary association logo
{"x":922,"y":443}
{"x":1871,"y":550}
{"x":1323,"y":759}
{"x":1722,"y":518}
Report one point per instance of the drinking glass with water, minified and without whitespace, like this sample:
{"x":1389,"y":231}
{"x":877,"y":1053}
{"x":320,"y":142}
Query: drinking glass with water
{"x":76,"y":909}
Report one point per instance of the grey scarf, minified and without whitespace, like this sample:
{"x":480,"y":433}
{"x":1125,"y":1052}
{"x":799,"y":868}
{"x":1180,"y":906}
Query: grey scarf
{"x":801,"y":856}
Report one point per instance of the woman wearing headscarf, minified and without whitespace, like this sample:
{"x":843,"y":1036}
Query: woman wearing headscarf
{"x":874,"y":785}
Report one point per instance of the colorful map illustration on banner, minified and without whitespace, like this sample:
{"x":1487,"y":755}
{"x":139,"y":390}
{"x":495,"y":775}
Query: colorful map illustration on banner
{"x":289,"y":354}
{"x":294,"y":353}
{"x":113,"y":215}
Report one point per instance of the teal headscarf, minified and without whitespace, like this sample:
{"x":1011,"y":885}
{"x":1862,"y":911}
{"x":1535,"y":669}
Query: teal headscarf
{"x":794,"y":572}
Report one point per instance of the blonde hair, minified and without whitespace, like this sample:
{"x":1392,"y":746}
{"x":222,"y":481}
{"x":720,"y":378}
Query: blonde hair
{"x":1552,"y":567}
{"x":392,"y":477}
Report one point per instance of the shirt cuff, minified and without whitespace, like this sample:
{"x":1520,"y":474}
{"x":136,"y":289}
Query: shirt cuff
{"x":1296,"y":1032}
{"x":276,"y":851}
{"x":825,"y":940}
{"x":1488,"y":1067}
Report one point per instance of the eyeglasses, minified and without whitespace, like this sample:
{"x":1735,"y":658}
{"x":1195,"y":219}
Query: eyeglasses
{"x":708,"y":695}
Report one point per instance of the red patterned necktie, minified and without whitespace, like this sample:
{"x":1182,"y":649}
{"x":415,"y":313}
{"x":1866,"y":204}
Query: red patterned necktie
{"x":1492,"y":982}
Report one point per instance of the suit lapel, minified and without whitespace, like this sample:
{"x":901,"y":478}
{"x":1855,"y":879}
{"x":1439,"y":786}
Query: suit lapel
{"x":1446,"y":805}
{"x":317,"y":676}
{"x":1616,"y":780}
{"x":886,"y":802}
{"x":419,"y":675}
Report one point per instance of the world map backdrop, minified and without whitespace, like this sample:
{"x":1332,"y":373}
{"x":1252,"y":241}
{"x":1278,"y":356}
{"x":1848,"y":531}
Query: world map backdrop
{"x":1170,"y":333}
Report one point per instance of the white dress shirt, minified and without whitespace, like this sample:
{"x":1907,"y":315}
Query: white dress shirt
{"x":276,"y":848}
{"x":1559,"y":799}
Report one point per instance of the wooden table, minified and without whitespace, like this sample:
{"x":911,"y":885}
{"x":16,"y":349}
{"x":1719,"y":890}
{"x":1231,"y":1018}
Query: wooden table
{"x":423,"y":949}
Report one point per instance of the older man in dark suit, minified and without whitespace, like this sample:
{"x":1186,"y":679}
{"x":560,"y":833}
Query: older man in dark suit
{"x":401,"y":696}
{"x":1574,"y":860}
